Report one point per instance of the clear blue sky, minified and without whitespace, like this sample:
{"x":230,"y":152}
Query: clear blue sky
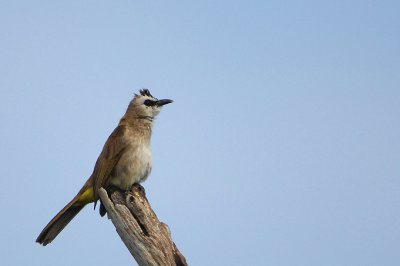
{"x":281,"y":148}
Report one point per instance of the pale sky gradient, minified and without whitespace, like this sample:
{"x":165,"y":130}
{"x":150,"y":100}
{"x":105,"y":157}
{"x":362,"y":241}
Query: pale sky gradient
{"x":281,"y":147}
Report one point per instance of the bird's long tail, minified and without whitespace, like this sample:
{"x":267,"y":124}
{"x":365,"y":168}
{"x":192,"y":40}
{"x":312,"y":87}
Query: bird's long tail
{"x":58,"y":223}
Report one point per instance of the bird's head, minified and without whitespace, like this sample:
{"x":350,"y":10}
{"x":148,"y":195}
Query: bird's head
{"x":146,"y":106}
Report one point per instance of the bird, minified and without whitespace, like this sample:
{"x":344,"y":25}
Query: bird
{"x":125,"y":160}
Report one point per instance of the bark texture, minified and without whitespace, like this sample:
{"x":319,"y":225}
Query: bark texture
{"x":148,"y":239}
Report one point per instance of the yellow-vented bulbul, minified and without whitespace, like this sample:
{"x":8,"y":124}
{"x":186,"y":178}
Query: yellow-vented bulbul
{"x":124,"y":161}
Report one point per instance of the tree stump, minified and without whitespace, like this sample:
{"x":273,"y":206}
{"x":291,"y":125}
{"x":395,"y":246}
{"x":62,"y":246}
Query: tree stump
{"x":148,"y":240}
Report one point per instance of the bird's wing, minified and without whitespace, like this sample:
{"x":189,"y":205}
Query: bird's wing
{"x":108,"y":158}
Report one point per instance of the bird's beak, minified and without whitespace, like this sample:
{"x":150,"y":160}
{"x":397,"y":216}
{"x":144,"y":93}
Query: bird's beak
{"x":163,"y":102}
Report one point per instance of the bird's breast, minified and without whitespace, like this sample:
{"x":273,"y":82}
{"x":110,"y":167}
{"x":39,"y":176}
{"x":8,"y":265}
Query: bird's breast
{"x":133,"y":167}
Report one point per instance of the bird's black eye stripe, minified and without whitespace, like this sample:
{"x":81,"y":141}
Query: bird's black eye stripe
{"x":149,"y":102}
